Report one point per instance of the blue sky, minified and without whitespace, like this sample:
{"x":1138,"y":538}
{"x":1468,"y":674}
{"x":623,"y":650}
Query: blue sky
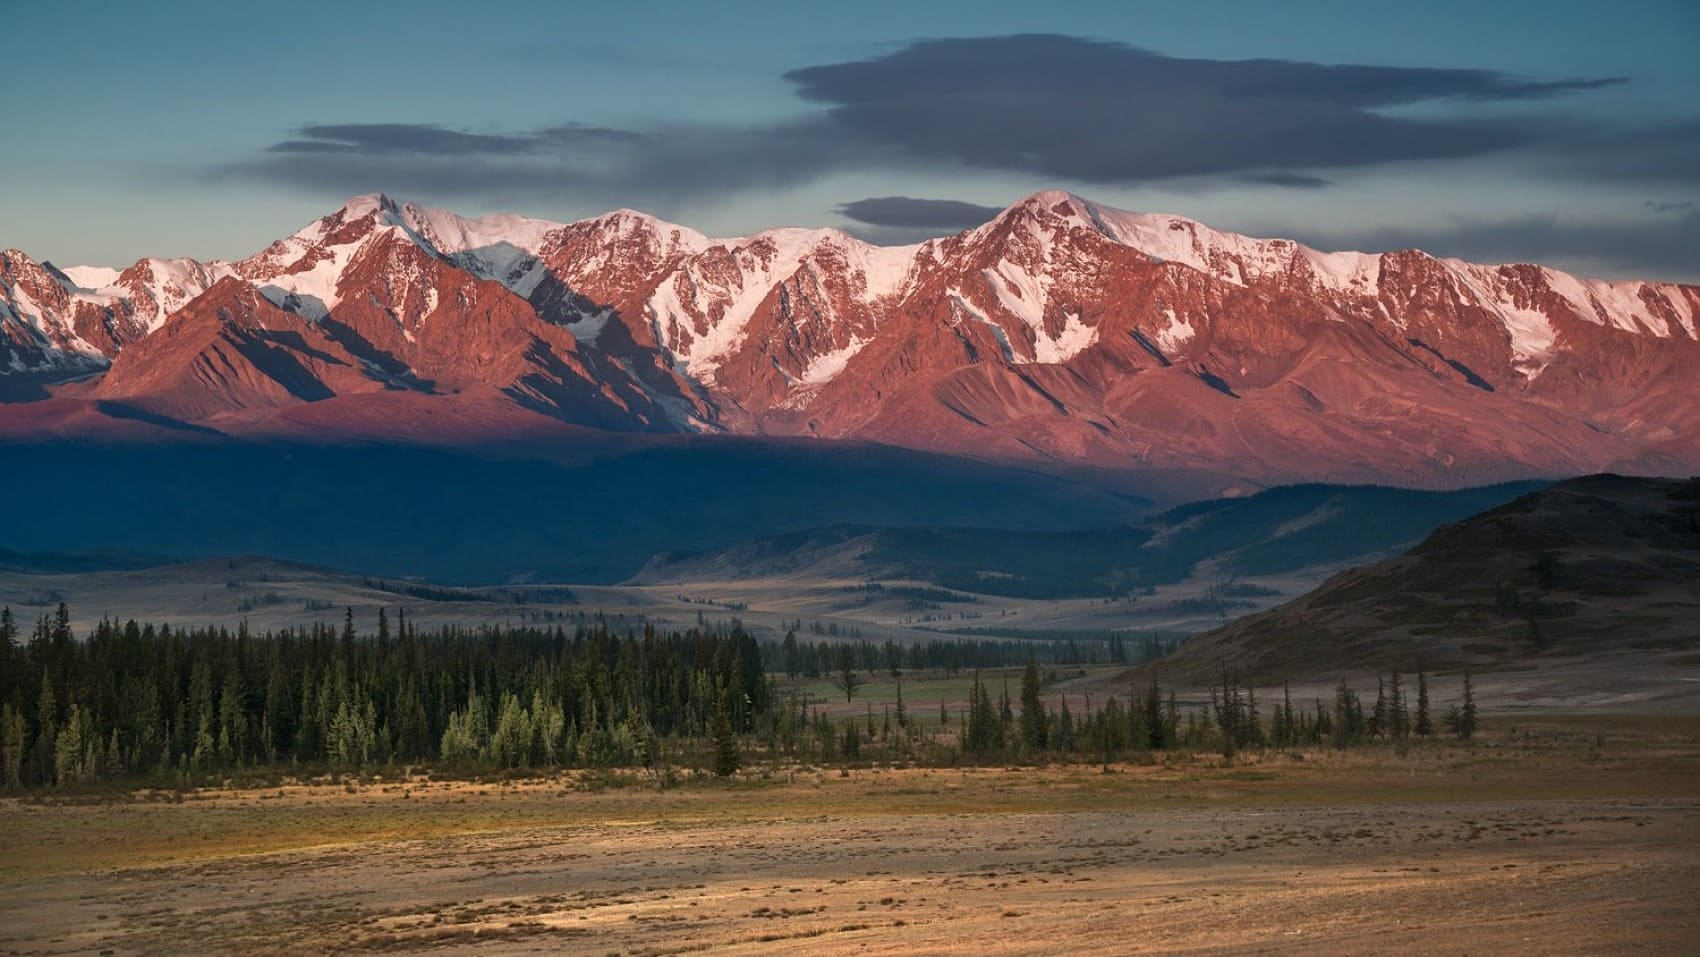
{"x":1567,"y":133}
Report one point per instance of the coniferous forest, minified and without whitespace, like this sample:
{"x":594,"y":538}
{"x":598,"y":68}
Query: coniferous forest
{"x":166,"y":705}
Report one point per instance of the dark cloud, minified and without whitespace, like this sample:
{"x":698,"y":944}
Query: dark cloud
{"x":1289,"y":180}
{"x":648,"y":168}
{"x":413,"y":138}
{"x":1660,"y":247}
{"x":1101,"y":112}
{"x":1666,"y":153}
{"x":1669,"y":207}
{"x":902,"y":212}
{"x":1055,"y":108}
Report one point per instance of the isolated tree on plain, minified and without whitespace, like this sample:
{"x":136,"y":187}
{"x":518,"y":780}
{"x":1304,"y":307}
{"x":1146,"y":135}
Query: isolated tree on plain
{"x":1467,"y":711}
{"x":848,"y":678}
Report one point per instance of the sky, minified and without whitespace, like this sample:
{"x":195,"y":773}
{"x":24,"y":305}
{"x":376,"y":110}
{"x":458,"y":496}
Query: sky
{"x":1561,"y":132}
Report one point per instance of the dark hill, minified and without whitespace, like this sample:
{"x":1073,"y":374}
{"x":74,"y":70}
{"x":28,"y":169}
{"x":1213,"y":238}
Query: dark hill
{"x":1591,"y":566}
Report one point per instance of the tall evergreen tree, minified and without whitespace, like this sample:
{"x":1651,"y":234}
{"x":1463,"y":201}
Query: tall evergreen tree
{"x":1424,"y":723}
{"x":1467,"y":711}
{"x":726,"y":754}
{"x":1033,"y":718}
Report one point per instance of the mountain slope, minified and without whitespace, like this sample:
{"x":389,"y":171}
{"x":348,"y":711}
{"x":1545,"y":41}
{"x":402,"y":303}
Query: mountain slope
{"x":1593,"y":566}
{"x":1276,"y":532}
{"x":1060,"y":332}
{"x":401,"y":510}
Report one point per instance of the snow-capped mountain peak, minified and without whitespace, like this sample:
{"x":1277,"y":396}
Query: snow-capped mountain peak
{"x":1062,"y":327}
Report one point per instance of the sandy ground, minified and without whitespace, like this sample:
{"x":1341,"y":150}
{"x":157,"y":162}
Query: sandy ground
{"x":1516,"y":847}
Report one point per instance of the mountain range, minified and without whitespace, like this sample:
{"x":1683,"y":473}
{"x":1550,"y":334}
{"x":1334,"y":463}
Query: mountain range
{"x":1061,"y":333}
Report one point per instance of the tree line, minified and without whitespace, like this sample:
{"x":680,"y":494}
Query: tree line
{"x":1151,"y":720}
{"x":133,"y":701}
{"x":141,"y":700}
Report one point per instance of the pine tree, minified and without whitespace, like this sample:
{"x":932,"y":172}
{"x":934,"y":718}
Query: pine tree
{"x":13,"y":733}
{"x":1157,"y":724}
{"x":11,"y":666}
{"x":1033,"y":718}
{"x":1425,"y":724}
{"x":47,"y":732}
{"x":789,"y":651}
{"x":848,"y":678}
{"x":1138,"y":728}
{"x":1399,"y":716}
{"x":1467,"y":711}
{"x":1348,"y":716}
{"x":1378,"y":720}
{"x":1006,"y":713}
{"x":983,"y":731}
{"x":1064,"y":740}
{"x":726,"y":755}
{"x":1253,"y":722}
{"x":70,"y":747}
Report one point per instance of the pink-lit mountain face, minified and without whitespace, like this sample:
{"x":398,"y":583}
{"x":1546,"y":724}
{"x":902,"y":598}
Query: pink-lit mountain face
{"x":1061,"y":332}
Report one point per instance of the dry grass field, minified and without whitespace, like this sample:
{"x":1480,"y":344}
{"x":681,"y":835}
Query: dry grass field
{"x":1567,"y":833}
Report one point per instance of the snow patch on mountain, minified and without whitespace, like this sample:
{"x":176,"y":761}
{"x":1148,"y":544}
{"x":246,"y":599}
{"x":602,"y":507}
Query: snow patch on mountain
{"x":1622,"y":305}
{"x":590,"y":327}
{"x":1176,"y":334}
{"x":92,"y":278}
{"x":961,"y":307}
{"x":826,"y":367}
{"x":1026,"y":296}
{"x":700,"y":312}
{"x":1530,"y":330}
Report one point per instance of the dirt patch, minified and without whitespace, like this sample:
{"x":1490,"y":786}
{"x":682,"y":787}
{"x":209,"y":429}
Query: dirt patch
{"x":1585,"y":834}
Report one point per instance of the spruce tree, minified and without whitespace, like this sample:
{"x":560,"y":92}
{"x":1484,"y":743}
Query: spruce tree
{"x":726,"y":755}
{"x":1378,"y":719}
{"x":13,"y":733}
{"x":1399,"y":715}
{"x":1158,"y":725}
{"x":47,"y":732}
{"x":1467,"y":711}
{"x":1033,"y":718}
{"x":1425,"y":724}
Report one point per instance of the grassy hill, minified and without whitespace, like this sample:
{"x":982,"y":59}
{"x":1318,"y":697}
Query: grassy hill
{"x":1597,"y":566}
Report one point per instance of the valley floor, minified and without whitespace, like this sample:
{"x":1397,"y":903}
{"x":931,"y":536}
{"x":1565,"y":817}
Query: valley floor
{"x":1553,"y":835}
